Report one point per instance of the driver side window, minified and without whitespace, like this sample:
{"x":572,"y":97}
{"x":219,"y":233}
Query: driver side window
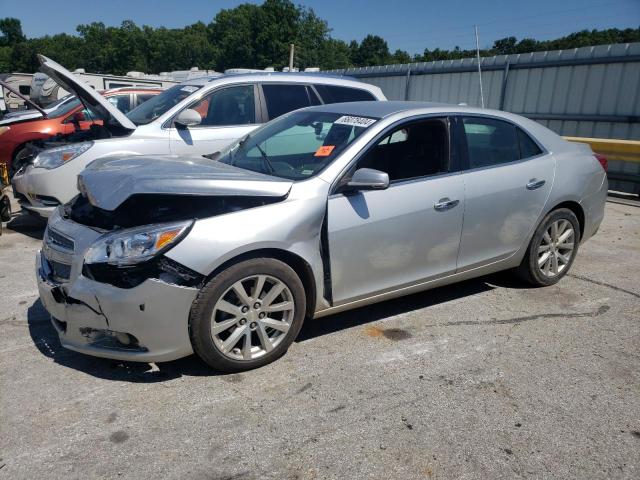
{"x":228,"y":106}
{"x":413,"y":150}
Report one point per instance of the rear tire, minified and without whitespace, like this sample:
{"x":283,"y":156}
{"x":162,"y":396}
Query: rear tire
{"x":552,"y":249}
{"x":248,"y":315}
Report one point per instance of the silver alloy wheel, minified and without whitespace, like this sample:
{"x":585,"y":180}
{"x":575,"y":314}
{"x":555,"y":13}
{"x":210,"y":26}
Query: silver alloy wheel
{"x":252,"y":317}
{"x":556,"y":248}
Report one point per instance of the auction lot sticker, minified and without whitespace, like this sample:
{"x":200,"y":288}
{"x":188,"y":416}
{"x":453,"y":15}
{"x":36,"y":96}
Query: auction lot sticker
{"x":363,"y":122}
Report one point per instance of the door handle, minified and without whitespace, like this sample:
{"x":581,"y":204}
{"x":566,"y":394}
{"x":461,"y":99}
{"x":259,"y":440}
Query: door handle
{"x":445,"y":204}
{"x":533,"y":184}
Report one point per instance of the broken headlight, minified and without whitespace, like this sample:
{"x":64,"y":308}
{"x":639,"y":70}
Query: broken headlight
{"x":54,"y":157}
{"x":136,"y":245}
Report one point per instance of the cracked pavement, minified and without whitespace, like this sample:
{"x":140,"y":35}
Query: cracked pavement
{"x":483,"y":379}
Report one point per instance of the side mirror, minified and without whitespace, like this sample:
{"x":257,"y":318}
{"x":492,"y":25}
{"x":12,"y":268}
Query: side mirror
{"x":79,"y":117}
{"x":188,"y":118}
{"x":368,"y":179}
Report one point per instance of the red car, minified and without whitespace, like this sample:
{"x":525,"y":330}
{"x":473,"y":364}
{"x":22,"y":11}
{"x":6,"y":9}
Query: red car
{"x":68,"y":117}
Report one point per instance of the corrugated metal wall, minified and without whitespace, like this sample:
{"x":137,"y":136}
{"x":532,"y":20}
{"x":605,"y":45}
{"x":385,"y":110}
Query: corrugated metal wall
{"x":584,"y":92}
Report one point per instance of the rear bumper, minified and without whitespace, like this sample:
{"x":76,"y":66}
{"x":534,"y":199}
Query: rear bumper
{"x":593,"y":206}
{"x":88,"y":315}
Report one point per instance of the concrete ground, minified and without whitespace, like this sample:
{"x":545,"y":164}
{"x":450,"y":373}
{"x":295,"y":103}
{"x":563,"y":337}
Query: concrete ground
{"x":484,"y":379}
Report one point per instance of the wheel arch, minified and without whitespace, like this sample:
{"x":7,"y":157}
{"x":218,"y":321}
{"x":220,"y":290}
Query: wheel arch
{"x":577,"y":210}
{"x":296,"y":262}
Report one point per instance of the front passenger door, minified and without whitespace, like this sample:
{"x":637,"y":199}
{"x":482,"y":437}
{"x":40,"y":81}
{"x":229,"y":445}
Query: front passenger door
{"x":381,"y":240}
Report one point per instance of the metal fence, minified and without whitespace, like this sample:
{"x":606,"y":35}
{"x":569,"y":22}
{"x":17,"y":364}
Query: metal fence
{"x":583,"y":92}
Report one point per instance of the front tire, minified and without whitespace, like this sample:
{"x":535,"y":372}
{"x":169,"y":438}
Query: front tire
{"x":248,"y":315}
{"x":20,"y":157}
{"x":552,"y":249}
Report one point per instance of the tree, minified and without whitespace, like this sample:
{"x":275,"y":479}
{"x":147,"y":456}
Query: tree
{"x":249,"y":35}
{"x":505,"y":46}
{"x":400,"y":56}
{"x":373,"y":50}
{"x":11,"y":29}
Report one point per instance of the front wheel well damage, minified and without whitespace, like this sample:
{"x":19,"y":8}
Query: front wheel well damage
{"x":297,"y":263}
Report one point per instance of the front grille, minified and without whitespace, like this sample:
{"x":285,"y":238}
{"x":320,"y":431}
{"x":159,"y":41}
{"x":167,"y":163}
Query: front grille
{"x":55,"y":239}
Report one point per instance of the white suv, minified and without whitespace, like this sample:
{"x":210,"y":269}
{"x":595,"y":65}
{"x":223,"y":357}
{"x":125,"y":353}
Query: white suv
{"x":199,"y":116}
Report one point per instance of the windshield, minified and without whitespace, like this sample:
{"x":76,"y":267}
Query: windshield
{"x":64,"y":108}
{"x":158,"y":105}
{"x":296,"y":146}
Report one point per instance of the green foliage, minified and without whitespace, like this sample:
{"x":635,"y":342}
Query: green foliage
{"x":11,"y":29}
{"x":250,"y":36}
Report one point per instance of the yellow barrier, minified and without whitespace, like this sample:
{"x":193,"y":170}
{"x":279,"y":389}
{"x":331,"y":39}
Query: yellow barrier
{"x":623,"y":150}
{"x":4,"y":175}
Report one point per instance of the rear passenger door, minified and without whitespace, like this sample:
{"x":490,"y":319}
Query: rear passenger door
{"x":507,"y":182}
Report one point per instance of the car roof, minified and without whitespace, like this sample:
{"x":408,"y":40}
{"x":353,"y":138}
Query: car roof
{"x":299,"y":77}
{"x":404,"y":109}
{"x":379,"y":109}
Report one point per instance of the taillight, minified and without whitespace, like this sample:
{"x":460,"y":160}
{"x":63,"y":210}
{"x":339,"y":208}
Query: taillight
{"x":603,"y":160}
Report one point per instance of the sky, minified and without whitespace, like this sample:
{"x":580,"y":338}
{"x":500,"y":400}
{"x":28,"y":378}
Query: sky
{"x":411,"y":25}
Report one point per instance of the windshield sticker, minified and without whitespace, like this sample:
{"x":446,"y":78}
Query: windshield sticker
{"x":324,"y":151}
{"x":189,"y":89}
{"x":362,"y":122}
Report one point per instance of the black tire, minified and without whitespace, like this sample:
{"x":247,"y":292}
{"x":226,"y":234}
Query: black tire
{"x":528,"y":269}
{"x":20,"y":157}
{"x":200,"y":318}
{"x":5,"y":208}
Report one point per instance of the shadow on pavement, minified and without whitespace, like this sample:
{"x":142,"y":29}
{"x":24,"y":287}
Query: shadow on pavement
{"x":378,"y":311}
{"x":46,"y":338}
{"x":26,"y":224}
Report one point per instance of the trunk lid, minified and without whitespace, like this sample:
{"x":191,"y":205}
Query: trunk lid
{"x":88,"y":95}
{"x":109,"y":182}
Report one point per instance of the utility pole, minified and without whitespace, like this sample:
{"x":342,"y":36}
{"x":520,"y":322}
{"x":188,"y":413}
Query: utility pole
{"x":479,"y":68}
{"x":291,"y":50}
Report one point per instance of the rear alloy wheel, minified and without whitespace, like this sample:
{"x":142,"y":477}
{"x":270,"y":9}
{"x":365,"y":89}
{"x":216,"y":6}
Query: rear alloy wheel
{"x":248,"y":315}
{"x":552,"y":249}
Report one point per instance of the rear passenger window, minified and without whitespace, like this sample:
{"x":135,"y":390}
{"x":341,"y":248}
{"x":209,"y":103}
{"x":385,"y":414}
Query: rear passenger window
{"x":490,"y":142}
{"x":283,"y":99}
{"x":528,"y":148}
{"x":335,"y":94}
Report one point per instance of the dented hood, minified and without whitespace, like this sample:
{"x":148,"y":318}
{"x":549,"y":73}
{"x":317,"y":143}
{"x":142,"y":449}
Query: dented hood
{"x":108,"y":182}
{"x":88,"y":95}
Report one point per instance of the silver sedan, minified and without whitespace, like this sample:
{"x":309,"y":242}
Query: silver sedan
{"x":322,"y":210}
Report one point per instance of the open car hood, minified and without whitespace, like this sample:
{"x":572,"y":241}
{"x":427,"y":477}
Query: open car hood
{"x":88,"y":95}
{"x":108,"y":182}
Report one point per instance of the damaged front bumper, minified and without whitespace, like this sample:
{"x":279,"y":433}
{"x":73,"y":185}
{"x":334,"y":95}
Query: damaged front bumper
{"x":147,"y":323}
